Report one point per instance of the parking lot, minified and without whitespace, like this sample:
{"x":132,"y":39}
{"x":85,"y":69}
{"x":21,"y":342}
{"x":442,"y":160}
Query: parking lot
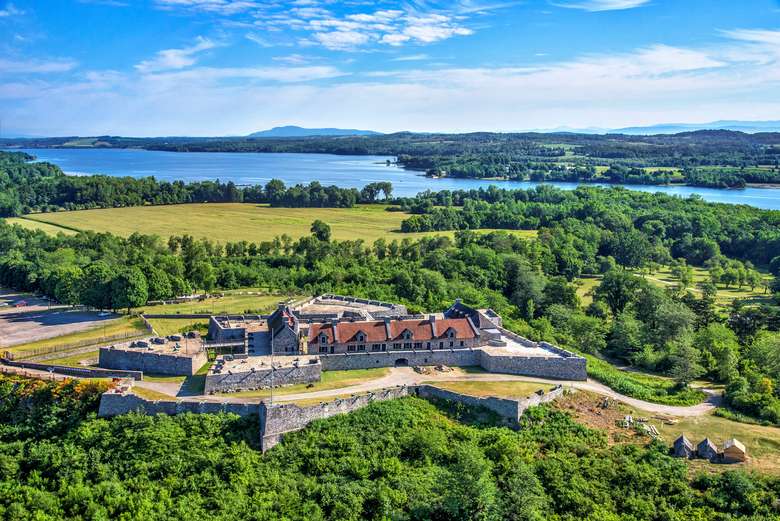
{"x":25,"y":318}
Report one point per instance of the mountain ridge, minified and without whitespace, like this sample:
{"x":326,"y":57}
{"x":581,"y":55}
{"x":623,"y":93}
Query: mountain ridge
{"x":296,"y":131}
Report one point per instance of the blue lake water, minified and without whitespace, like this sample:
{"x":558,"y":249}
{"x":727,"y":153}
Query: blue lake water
{"x":344,"y":171}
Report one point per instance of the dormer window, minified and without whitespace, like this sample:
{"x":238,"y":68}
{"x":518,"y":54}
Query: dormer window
{"x":360,"y":338}
{"x":323,"y":339}
{"x":451,"y":334}
{"x":407,"y":335}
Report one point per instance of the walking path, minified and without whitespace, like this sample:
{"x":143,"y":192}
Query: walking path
{"x":407,"y":376}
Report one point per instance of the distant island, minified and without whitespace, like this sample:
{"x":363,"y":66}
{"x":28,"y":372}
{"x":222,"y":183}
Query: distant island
{"x":294,"y":131}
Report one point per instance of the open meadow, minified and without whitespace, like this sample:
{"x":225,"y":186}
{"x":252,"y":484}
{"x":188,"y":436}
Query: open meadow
{"x":232,"y":222}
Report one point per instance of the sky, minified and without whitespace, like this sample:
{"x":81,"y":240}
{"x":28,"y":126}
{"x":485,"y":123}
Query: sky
{"x":232,"y":67}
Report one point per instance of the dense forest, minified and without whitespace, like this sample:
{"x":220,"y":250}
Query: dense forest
{"x":401,"y":460}
{"x":713,"y":158}
{"x":27,"y":187}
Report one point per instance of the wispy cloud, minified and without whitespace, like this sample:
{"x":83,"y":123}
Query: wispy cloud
{"x":411,"y":58}
{"x":35,"y":66}
{"x":213,"y":75}
{"x":345,"y":26}
{"x":10,"y":10}
{"x":224,"y":7}
{"x":169,"y":59}
{"x":601,"y":5}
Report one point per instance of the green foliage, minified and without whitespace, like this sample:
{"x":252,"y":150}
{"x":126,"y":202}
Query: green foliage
{"x":401,"y":460}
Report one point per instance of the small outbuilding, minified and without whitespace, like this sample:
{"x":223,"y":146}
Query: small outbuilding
{"x":706,"y":449}
{"x":734,"y":451}
{"x":683,"y":448}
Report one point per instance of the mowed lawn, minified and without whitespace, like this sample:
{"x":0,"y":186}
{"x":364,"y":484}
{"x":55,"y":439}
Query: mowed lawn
{"x":231,"y":222}
{"x":230,"y":303}
{"x":500,"y":389}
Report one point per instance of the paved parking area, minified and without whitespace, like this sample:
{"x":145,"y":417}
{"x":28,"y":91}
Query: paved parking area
{"x":39,"y":320}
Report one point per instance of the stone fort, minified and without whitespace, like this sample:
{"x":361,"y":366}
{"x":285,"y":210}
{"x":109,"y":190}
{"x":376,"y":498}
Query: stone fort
{"x":294,"y":344}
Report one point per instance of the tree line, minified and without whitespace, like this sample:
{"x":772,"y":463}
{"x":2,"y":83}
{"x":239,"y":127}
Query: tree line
{"x":27,"y":187}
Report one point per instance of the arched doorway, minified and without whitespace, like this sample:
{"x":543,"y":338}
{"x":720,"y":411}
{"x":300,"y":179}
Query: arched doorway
{"x":402,"y":362}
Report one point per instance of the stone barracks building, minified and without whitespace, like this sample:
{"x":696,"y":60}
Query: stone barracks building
{"x":295,"y":343}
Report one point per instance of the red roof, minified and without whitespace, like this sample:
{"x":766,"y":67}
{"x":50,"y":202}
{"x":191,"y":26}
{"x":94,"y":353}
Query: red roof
{"x":375,"y":331}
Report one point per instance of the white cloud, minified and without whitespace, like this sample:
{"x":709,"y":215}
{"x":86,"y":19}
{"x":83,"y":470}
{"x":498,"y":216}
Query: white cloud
{"x":9,"y":10}
{"x":168,"y":59}
{"x":223,"y":7}
{"x":215,"y":75}
{"x":35,"y":66}
{"x":735,"y":79}
{"x":602,"y":5}
{"x":341,"y":40}
{"x":411,"y":58}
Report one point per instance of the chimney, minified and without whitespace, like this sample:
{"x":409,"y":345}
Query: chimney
{"x":334,"y":324}
{"x":432,"y":320}
{"x":458,"y":301}
{"x":388,"y":331}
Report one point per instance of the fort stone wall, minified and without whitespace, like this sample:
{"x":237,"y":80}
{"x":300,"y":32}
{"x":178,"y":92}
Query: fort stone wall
{"x":279,"y":419}
{"x":454,"y":357}
{"x":276,"y":420}
{"x":152,"y":362}
{"x":114,"y":403}
{"x":260,"y":378}
{"x":559,"y":368}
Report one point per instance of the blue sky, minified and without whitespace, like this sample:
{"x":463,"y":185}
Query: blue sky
{"x":230,"y":67}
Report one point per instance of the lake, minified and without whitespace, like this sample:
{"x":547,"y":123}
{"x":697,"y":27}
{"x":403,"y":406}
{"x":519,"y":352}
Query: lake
{"x":344,"y":171}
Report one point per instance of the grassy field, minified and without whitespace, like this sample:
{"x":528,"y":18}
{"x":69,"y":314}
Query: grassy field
{"x":73,"y":360}
{"x":231,"y":222}
{"x":121,"y":326}
{"x":172,"y":326}
{"x":230,"y":303}
{"x":330,"y":380}
{"x":51,"y":229}
{"x":763,"y":443}
{"x":498,"y":389}
{"x":664,"y":278}
{"x":726,"y":295}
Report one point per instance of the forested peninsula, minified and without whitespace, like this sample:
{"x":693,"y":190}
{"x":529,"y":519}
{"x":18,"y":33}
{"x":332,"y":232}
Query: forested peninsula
{"x":707,"y":158}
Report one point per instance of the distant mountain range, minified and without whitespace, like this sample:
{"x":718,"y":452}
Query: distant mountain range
{"x":749,"y":127}
{"x":293,"y":131}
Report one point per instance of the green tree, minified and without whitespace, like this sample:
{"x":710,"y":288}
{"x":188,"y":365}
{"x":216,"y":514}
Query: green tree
{"x":684,"y":360}
{"x":320,"y":230}
{"x":129,"y":289}
{"x":618,"y":289}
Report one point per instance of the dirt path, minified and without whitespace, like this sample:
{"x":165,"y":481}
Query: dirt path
{"x":407,"y":376}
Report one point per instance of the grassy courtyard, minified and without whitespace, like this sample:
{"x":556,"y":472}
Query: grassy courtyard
{"x":330,"y":380}
{"x":498,"y":388}
{"x":236,"y":303}
{"x":231,"y":222}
